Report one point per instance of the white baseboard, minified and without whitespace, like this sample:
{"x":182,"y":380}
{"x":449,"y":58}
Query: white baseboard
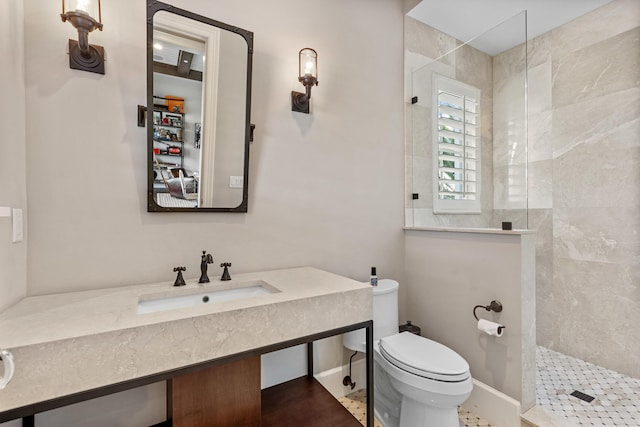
{"x":332,"y":379}
{"x":490,"y":404}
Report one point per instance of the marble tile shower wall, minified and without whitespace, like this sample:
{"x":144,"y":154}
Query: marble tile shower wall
{"x":584,"y":175}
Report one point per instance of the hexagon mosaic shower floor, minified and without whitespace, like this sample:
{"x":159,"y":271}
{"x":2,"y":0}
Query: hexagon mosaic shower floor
{"x":616,"y":400}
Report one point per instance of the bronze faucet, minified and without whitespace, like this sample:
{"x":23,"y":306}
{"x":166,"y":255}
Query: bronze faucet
{"x":206,"y":259}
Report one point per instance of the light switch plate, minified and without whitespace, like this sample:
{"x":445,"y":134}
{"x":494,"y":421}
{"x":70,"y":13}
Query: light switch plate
{"x":5,"y":211}
{"x":236,"y":181}
{"x":17,"y":225}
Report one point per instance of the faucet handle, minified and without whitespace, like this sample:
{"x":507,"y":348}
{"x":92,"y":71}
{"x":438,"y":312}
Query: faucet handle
{"x":179,"y":279}
{"x":225,"y":273}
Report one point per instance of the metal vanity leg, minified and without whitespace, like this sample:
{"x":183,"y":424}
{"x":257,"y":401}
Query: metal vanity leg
{"x":310,"y":359}
{"x":369,"y":360}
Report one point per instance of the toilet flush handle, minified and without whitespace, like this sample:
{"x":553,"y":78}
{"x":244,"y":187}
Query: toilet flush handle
{"x":9,"y":368}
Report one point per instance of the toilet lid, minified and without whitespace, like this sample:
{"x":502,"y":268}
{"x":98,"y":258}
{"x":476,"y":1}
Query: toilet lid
{"x":424,"y":357}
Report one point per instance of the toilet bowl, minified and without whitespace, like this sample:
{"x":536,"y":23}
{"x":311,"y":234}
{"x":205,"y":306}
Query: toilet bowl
{"x":417,"y":382}
{"x":429,"y":381}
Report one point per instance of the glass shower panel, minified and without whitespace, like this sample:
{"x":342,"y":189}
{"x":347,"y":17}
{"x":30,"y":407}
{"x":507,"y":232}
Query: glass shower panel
{"x":510,"y":140}
{"x":471,"y":152}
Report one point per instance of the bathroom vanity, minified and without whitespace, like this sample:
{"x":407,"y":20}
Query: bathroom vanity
{"x":77,"y":346}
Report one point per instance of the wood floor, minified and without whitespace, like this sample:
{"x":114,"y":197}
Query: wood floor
{"x":303,"y":402}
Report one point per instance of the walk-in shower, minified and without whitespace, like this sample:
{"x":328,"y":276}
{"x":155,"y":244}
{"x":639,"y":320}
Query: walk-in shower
{"x":553,"y":146}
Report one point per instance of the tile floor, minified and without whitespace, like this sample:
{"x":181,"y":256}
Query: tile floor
{"x":616,"y":403}
{"x":355,"y":403}
{"x":617,"y":397}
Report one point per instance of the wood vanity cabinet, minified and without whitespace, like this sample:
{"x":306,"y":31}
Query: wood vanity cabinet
{"x":225,"y":395}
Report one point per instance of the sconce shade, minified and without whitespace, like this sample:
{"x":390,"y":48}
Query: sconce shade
{"x":87,"y":7}
{"x":308,"y":76}
{"x":307,"y":63}
{"x":81,"y":14}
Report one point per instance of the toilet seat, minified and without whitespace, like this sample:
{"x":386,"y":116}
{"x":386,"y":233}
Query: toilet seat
{"x":424,"y":357}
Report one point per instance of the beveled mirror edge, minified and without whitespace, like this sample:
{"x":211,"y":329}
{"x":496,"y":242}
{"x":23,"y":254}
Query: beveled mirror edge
{"x":153,"y":7}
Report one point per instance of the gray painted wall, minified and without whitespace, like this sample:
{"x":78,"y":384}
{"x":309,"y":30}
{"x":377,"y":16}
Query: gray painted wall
{"x":13,"y":187}
{"x":448,"y":273}
{"x":323,"y":190}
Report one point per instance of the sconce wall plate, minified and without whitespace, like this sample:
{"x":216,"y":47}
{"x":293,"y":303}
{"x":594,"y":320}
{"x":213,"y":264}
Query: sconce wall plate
{"x":94,"y":63}
{"x":82,"y":55}
{"x":299,"y":102}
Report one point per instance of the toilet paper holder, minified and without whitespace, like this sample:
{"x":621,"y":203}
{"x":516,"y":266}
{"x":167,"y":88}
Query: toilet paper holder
{"x":493,"y":306}
{"x":493,"y":328}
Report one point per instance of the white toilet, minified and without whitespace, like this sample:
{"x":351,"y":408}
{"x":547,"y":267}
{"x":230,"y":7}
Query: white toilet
{"x":417,"y":382}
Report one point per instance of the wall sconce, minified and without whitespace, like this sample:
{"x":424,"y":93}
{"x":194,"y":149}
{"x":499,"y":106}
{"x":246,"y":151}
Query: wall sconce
{"x":82,"y":55}
{"x":308,"y":76}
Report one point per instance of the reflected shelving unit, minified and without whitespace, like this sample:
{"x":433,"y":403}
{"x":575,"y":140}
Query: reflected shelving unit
{"x":168,"y":145}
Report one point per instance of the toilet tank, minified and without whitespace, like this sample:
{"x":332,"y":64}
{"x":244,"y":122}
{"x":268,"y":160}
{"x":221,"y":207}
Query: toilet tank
{"x":385,"y":316}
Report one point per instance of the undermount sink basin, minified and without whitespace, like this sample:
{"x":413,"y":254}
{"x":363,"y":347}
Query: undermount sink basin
{"x":200,"y":297}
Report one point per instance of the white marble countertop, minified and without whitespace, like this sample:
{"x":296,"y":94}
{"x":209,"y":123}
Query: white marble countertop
{"x":72,"y":342}
{"x":40,"y":319}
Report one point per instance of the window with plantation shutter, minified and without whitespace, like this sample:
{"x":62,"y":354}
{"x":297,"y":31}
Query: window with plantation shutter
{"x":456,"y":146}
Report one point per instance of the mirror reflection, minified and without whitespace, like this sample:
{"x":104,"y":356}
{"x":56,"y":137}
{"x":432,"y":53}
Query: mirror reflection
{"x":199,"y":113}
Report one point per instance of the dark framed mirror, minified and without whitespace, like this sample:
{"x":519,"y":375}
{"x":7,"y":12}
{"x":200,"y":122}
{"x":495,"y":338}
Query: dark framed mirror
{"x":198,"y":112}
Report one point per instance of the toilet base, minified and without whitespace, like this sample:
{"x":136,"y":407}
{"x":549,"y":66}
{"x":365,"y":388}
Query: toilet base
{"x":415,"y":414}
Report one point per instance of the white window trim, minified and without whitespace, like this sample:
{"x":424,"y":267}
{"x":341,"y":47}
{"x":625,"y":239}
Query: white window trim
{"x":443,"y":206}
